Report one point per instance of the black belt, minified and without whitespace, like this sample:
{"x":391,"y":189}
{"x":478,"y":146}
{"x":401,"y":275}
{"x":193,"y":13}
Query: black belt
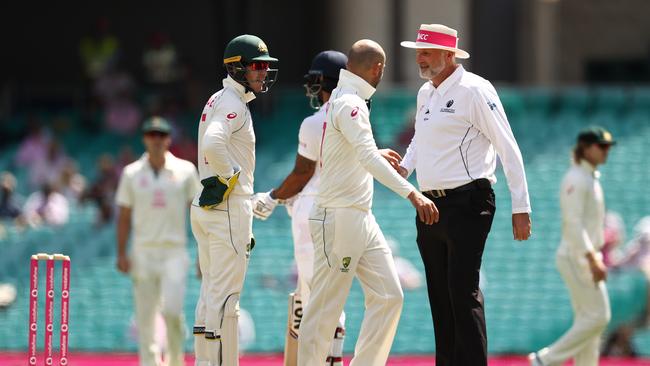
{"x":477,"y":184}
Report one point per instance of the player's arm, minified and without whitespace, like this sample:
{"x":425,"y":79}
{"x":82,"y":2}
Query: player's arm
{"x":309,"y":138}
{"x":214,"y":147}
{"x":302,"y":172}
{"x":573,"y":196}
{"x":215,"y":151}
{"x":265,"y":202}
{"x":354,"y":124}
{"x":123,"y":232}
{"x":124,"y":198}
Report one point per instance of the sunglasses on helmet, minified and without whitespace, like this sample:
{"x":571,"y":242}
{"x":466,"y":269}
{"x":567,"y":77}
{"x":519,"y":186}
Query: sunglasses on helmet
{"x":259,"y":65}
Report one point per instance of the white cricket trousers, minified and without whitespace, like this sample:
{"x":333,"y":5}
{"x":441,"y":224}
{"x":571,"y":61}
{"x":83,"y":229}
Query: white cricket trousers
{"x":591,"y":314}
{"x":303,"y":249}
{"x":349,"y":243}
{"x":159,"y":277}
{"x":303,"y":246}
{"x":223,"y":235}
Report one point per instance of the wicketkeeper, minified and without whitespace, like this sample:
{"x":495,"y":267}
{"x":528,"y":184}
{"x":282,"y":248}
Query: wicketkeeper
{"x":221,"y":214}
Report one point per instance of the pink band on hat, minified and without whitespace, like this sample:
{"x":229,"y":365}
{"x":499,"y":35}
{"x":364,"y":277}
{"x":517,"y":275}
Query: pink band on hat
{"x":437,"y":38}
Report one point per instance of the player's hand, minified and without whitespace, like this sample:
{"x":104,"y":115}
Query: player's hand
{"x":521,"y":226}
{"x":216,"y":189}
{"x":427,"y":210}
{"x":392,"y":157}
{"x":263,"y":205}
{"x":597,"y":267}
{"x":402,"y":171}
{"x":123,"y":264}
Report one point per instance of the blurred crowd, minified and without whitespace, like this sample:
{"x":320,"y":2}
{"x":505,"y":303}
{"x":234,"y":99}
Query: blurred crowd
{"x":114,"y":104}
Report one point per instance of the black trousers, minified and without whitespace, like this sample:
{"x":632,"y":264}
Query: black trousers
{"x":451,"y":251}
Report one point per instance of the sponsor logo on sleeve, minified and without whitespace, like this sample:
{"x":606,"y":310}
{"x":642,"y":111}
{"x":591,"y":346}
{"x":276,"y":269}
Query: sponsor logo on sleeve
{"x":355,"y":112}
{"x":231,"y":115}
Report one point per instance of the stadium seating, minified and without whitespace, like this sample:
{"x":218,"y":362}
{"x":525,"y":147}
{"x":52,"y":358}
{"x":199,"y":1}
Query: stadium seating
{"x":527,"y":304}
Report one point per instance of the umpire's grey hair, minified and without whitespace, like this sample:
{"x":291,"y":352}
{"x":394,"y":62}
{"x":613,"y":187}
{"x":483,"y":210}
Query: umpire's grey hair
{"x":365,"y":54}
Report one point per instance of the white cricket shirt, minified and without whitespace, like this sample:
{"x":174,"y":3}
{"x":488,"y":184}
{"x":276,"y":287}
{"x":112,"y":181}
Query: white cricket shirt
{"x":349,"y":155}
{"x":309,"y":137}
{"x":226,"y":137}
{"x":460,"y":127}
{"x":583,"y":211}
{"x":159,"y":204}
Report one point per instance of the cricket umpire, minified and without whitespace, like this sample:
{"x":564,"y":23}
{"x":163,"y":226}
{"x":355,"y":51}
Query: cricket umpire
{"x":460,"y":128}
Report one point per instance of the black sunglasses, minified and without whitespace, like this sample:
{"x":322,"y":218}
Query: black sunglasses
{"x":156,"y":134}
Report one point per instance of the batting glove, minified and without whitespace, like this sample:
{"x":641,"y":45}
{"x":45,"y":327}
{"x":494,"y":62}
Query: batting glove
{"x":263,"y":205}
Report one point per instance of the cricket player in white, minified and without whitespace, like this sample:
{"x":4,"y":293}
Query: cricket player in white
{"x":302,"y":184}
{"x":579,"y":258}
{"x":221,"y":215}
{"x":347,"y":239}
{"x":153,"y":198}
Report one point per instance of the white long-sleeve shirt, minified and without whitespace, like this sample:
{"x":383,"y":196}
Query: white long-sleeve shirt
{"x":460,"y":128}
{"x":226,"y":137}
{"x":583,"y":211}
{"x":309,"y":137}
{"x":349,"y":154}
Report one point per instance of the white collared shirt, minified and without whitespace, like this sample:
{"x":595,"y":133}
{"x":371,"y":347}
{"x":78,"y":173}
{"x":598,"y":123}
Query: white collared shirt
{"x":309,"y":137}
{"x":583,"y":211}
{"x":159,"y":203}
{"x":460,"y":128}
{"x":226,"y":137}
{"x":349,"y":154}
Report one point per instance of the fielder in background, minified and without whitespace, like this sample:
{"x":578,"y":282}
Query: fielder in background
{"x":579,"y":258}
{"x":153,"y":198}
{"x":460,"y":128}
{"x":221,"y":215}
{"x":302,"y":183}
{"x":347,"y":240}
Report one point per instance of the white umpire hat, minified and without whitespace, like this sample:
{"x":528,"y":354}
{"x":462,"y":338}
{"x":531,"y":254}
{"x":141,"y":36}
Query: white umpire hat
{"x":437,"y":36}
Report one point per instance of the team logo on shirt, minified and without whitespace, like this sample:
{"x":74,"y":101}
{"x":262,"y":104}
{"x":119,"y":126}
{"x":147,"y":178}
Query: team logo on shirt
{"x":354,"y":112}
{"x":231,"y":115}
{"x":346,"y":263}
{"x":450,"y":102}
